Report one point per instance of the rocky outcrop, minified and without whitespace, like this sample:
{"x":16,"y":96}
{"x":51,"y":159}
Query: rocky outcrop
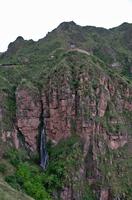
{"x":3,"y":97}
{"x":59,"y":113}
{"x":66,"y":193}
{"x":102,"y":105}
{"x":94,"y":112}
{"x":114,"y":142}
{"x":28,"y":114}
{"x":104,"y":195}
{"x":68,"y":110}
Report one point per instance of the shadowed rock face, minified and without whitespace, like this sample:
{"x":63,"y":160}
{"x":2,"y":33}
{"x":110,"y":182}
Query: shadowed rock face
{"x":15,"y":46}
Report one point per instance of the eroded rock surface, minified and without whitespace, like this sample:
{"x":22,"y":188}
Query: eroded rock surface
{"x":28,"y":114}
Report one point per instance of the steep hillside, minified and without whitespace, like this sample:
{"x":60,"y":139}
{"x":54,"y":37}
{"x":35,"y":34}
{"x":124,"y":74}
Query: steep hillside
{"x":66,"y":104}
{"x":6,"y":193}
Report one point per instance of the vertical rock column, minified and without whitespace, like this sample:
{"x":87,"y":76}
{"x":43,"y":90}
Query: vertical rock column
{"x":28,"y":113}
{"x":59,"y":112}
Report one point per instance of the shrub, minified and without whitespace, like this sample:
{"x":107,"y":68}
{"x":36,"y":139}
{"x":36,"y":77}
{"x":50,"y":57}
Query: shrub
{"x":13,"y":181}
{"x":88,"y":194}
{"x":15,"y":156}
{"x":2,"y":168}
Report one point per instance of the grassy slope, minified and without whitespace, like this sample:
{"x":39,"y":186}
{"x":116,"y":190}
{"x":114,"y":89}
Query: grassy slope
{"x":110,"y":45}
{"x":7,"y":192}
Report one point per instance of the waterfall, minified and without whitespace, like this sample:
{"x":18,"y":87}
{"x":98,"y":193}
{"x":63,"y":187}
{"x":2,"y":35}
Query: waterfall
{"x":43,"y":150}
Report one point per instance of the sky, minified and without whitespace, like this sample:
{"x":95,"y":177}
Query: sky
{"x":33,"y":19}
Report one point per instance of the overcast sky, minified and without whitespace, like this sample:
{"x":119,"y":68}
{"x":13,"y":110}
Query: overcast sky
{"x":32,"y":19}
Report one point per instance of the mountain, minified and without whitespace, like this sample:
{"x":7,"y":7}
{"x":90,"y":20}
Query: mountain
{"x":66,"y":104}
{"x":113,"y":46}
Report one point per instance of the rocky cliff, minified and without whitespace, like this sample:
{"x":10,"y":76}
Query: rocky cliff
{"x":80,"y":95}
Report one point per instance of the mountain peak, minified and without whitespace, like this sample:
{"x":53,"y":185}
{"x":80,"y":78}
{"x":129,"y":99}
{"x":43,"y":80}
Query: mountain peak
{"x":66,"y":25}
{"x":19,"y":38}
{"x":123,"y":27}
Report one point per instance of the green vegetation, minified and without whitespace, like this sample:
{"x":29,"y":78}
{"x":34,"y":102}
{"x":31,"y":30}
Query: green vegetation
{"x":2,"y":168}
{"x":7,"y":192}
{"x":88,"y":194}
{"x":110,"y":46}
{"x":65,"y":159}
{"x":116,"y":169}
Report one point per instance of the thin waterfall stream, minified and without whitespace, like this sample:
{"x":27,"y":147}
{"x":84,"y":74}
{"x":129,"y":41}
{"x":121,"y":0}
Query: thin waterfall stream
{"x":43,"y":150}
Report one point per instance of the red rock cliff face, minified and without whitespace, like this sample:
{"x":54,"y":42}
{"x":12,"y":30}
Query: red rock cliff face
{"x":3,"y":97}
{"x":28,"y":113}
{"x":59,"y":109}
{"x":92,"y":109}
{"x":82,"y":109}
